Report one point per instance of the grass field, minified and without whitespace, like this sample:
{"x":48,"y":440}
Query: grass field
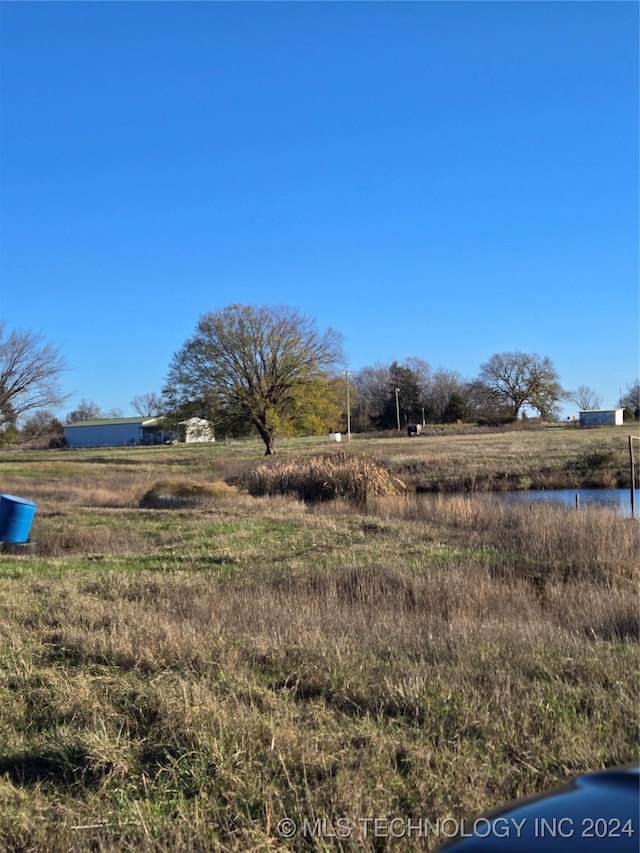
{"x":185,"y":678}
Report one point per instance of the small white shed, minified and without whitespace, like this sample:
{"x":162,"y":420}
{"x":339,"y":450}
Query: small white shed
{"x":195,"y":430}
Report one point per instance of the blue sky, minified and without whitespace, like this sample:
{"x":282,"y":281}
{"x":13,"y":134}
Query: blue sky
{"x":442,"y":180}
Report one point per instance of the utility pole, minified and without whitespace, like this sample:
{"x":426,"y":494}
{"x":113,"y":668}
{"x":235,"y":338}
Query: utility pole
{"x":397,"y":409}
{"x":346,"y":373}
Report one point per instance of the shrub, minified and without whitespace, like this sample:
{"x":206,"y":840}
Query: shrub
{"x":179,"y":493}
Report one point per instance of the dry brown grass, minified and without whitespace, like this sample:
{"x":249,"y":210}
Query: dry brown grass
{"x":183,"y":680}
{"x":541,"y":540}
{"x":216,"y":707}
{"x":500,"y":460}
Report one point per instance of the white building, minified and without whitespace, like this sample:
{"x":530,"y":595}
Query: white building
{"x":195,"y":429}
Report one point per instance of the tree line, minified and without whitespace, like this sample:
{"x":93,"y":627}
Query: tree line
{"x":269,"y":370}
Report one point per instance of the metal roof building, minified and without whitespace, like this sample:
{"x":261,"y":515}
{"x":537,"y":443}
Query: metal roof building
{"x":116,"y":432}
{"x":602,"y":417}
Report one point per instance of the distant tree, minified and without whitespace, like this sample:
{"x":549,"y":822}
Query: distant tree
{"x":9,"y":434}
{"x":403,"y":398}
{"x":422,"y":373}
{"x":30,"y":370}
{"x":423,"y":394}
{"x":442,"y":386}
{"x":252,"y":361}
{"x":87,"y":411}
{"x":371,"y":386}
{"x":43,"y":426}
{"x":485,"y":406}
{"x":456,"y":409}
{"x":409,"y":397}
{"x":376,"y":403}
{"x":630,"y":400}
{"x":513,"y":379}
{"x":545,"y":400}
{"x":148,"y":405}
{"x":585,"y":398}
{"x":424,"y":378}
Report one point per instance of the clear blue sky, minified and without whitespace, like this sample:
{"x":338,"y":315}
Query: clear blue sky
{"x":439,"y":180}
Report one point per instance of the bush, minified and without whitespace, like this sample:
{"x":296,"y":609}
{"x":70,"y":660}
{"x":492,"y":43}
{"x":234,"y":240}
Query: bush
{"x":497,"y":421}
{"x":166,"y":494}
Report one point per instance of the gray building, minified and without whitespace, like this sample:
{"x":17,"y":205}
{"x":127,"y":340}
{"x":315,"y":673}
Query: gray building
{"x":601,"y":417}
{"x":116,"y":432}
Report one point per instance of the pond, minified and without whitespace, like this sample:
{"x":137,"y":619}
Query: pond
{"x":616,"y":499}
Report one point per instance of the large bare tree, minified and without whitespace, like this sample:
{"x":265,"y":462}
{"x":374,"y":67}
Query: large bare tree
{"x":30,"y":370}
{"x":252,"y":361}
{"x":519,"y":378}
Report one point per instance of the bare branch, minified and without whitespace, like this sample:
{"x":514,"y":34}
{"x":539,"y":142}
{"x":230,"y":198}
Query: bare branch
{"x":585,"y":398}
{"x":30,"y":368}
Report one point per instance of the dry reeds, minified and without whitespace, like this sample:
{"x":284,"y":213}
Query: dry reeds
{"x":325,"y":477}
{"x":542,"y":540}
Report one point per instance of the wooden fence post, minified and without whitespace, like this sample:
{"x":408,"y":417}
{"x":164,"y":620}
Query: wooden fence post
{"x":633,"y":474}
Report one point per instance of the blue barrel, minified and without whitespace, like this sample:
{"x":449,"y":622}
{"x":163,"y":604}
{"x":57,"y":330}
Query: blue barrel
{"x":16,"y":518}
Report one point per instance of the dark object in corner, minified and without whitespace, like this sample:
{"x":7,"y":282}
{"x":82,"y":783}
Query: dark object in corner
{"x":595,"y":813}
